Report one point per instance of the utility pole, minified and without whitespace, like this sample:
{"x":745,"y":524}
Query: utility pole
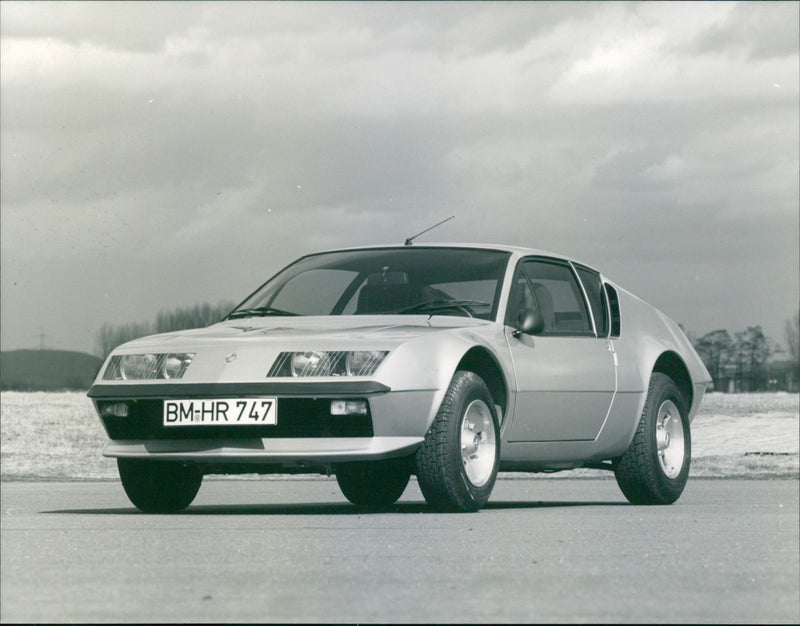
{"x":41,"y":336}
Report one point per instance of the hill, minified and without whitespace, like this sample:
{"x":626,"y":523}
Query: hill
{"x":47,"y":370}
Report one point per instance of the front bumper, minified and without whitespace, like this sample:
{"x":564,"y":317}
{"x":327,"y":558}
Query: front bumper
{"x":306,"y":432}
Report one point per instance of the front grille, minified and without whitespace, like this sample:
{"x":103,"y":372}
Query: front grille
{"x":297,"y":418}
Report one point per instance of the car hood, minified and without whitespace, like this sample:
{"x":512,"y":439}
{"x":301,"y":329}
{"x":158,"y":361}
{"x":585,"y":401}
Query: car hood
{"x":244,"y":350}
{"x":295,"y":330}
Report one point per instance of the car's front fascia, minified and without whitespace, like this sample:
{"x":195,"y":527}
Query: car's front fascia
{"x":401,"y":397}
{"x":236,"y":359}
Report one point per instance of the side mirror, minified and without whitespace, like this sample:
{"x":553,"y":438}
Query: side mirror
{"x":529,"y":322}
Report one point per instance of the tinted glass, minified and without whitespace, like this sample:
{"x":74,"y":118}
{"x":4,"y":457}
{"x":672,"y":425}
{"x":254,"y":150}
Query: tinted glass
{"x":613,"y":305}
{"x":558,"y":297}
{"x":314,"y":292}
{"x":594,"y":291}
{"x":407,"y":280}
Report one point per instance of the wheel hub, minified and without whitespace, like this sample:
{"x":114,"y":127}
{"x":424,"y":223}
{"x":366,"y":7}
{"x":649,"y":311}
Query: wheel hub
{"x":478,"y":449}
{"x":670,"y":443}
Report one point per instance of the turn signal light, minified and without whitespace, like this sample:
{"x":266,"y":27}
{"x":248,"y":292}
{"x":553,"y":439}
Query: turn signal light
{"x":348,"y":407}
{"x":115,"y":409}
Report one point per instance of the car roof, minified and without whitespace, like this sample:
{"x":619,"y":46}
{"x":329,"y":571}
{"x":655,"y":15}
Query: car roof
{"x":515,"y":250}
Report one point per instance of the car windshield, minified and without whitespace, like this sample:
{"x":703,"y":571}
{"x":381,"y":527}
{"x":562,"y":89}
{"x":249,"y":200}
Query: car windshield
{"x":408,"y":280}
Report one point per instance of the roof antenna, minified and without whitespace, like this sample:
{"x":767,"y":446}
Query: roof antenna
{"x":411,"y":239}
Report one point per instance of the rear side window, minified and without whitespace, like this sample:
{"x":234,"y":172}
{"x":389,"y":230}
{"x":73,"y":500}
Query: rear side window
{"x":613,"y":306}
{"x":594,"y":291}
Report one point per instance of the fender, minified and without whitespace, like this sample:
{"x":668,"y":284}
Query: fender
{"x":646,"y":336}
{"x":430,"y":361}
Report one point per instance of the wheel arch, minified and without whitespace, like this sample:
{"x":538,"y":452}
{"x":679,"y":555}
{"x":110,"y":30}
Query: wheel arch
{"x":481,"y":362}
{"x":670,"y":364}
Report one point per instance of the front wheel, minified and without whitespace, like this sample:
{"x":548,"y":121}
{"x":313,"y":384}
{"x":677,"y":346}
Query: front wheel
{"x":373,"y":483}
{"x":457,"y":463}
{"x":159,"y":486}
{"x":655,"y":468}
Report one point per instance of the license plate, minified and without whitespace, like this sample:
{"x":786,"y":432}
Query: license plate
{"x":223,"y":412}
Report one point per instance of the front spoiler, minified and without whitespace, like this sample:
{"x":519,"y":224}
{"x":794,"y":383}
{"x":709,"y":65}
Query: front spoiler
{"x":266,"y":451}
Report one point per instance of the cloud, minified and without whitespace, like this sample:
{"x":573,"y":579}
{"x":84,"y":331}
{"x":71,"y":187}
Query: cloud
{"x":664,"y":52}
{"x":124,"y":25}
{"x":756,"y":32}
{"x":181,"y":152}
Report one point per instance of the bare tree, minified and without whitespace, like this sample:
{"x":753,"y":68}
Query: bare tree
{"x":109,"y":337}
{"x":752,"y":351}
{"x":197,"y":316}
{"x":793,"y":337}
{"x":793,"y":342}
{"x":715,"y":349}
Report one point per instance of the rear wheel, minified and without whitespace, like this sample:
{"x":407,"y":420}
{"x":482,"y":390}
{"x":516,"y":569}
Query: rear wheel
{"x":159,"y":486}
{"x":457,"y":463}
{"x":655,"y":468}
{"x":374,"y":483}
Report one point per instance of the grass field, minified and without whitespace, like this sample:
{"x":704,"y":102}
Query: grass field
{"x":57,"y":436}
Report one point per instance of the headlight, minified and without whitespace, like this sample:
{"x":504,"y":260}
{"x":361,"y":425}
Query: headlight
{"x":308,"y":363}
{"x":136,"y":366}
{"x":339,"y":363}
{"x":175,"y":365}
{"x":363,"y":362}
{"x":148,"y":366}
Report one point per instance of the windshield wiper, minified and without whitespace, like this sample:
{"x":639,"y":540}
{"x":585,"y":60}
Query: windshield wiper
{"x":261,"y":311}
{"x":437,"y":305}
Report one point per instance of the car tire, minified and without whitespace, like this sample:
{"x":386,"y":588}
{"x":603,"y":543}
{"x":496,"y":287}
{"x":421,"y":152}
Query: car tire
{"x":374,"y":483}
{"x":655,"y":468}
{"x":457,"y":463}
{"x":159,"y":486}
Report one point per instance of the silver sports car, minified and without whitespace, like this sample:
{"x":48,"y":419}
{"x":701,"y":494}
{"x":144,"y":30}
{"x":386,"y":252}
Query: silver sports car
{"x":449,"y":362}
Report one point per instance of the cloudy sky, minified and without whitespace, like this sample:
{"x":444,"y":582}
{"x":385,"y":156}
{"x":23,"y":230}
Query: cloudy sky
{"x":160,"y":155}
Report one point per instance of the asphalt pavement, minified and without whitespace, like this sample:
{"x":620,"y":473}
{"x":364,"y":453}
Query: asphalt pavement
{"x":293,"y":550}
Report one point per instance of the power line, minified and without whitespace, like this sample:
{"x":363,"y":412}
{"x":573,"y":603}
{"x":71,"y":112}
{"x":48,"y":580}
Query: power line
{"x":41,"y":335}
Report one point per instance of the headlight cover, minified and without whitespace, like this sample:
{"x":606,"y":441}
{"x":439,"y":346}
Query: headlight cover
{"x":320,"y":363}
{"x":151,"y":366}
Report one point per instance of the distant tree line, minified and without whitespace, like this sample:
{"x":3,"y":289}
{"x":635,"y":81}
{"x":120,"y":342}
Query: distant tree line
{"x":109,"y":337}
{"x":741,"y":362}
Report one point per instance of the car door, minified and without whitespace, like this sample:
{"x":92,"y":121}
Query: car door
{"x":566,"y":375}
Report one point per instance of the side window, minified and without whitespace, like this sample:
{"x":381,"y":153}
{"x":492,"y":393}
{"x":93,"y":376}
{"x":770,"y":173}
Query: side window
{"x":521,"y":298}
{"x":613,"y":305}
{"x":594,"y":291}
{"x":559,"y":297}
